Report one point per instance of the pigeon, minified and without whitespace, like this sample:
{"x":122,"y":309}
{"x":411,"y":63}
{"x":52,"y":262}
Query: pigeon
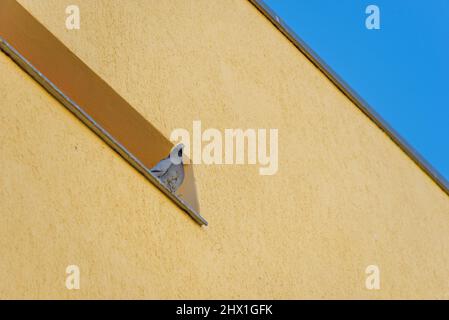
{"x":170,"y":170}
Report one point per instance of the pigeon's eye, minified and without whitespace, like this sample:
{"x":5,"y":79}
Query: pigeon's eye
{"x":180,"y":153}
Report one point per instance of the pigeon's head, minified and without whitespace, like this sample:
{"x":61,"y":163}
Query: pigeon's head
{"x":180,"y":148}
{"x":176,"y":154}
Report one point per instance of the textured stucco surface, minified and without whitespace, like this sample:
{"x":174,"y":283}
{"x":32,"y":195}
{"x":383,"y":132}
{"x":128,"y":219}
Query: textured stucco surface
{"x":345,"y":196}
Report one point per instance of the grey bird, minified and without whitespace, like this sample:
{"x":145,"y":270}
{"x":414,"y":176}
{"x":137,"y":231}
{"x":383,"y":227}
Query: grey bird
{"x":170,"y":170}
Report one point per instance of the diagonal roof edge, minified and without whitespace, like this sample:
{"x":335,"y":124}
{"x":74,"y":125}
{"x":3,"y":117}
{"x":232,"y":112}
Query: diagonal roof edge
{"x":352,"y":95}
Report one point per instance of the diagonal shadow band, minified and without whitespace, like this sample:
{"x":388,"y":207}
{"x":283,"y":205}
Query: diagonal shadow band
{"x":90,"y":98}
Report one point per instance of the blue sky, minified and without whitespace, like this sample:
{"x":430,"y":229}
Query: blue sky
{"x":401,"y":70}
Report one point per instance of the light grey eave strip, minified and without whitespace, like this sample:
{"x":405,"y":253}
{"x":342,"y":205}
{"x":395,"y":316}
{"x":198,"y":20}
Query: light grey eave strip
{"x":87,"y":120}
{"x":352,"y":95}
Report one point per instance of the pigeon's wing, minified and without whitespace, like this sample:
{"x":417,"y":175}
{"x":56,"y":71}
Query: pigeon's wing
{"x":161,"y":168}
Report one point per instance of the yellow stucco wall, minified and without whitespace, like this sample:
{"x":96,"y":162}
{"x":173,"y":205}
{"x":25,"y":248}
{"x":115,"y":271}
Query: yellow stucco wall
{"x":345,"y":195}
